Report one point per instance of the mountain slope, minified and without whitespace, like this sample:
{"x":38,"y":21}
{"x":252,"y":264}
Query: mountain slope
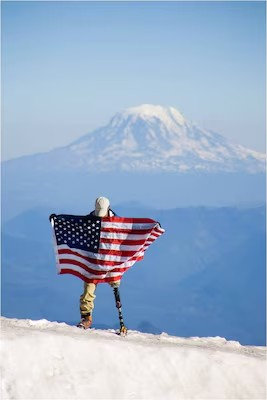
{"x":156,"y":138}
{"x":152,"y":139}
{"x":46,"y":360}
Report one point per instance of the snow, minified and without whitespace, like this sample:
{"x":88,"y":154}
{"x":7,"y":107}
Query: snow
{"x":50,"y":360}
{"x":162,"y":140}
{"x":165,"y":114}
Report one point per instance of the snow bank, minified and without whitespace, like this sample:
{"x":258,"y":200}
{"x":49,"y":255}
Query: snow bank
{"x":48,"y":360}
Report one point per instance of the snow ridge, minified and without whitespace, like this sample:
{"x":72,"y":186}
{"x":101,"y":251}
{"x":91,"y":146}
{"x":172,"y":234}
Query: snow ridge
{"x":74,"y":364}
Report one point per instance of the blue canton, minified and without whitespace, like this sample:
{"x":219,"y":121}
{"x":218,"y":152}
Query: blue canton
{"x":79,"y":232}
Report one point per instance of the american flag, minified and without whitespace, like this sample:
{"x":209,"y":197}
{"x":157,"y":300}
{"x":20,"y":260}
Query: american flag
{"x":101,"y":249}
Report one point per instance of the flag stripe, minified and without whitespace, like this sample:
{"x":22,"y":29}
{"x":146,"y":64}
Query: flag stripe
{"x":94,"y":263}
{"x":126,"y":220}
{"x":73,"y":262}
{"x":87,"y":279}
{"x":96,"y":258}
{"x":119,"y":253}
{"x":128,"y":226}
{"x":122,"y":236}
{"x":119,"y":247}
{"x":123,"y":230}
{"x":83,"y":265}
{"x":125,"y":242}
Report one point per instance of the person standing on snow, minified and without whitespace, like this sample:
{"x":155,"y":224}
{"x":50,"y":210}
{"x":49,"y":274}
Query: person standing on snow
{"x":102,"y":209}
{"x":99,"y":247}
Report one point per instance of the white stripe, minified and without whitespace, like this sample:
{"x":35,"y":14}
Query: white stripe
{"x":96,"y":256}
{"x":88,"y":274}
{"x":127,"y":225}
{"x":103,"y":257}
{"x":119,"y":247}
{"x":128,"y":236}
{"x":95,"y":267}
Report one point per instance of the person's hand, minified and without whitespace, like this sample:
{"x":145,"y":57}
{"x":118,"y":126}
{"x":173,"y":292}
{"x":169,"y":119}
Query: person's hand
{"x":52,"y":216}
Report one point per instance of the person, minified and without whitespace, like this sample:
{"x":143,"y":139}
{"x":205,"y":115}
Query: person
{"x":102,"y":209}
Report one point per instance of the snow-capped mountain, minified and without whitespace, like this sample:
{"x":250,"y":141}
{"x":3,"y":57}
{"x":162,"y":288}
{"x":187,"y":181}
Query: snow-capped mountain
{"x":156,"y":138}
{"x":148,"y":138}
{"x":171,"y":160}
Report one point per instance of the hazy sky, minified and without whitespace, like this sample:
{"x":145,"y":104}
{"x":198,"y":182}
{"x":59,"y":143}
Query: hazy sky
{"x":67,"y":67}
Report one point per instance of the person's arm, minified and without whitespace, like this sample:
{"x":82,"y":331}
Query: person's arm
{"x":111,"y":213}
{"x":51,"y":217}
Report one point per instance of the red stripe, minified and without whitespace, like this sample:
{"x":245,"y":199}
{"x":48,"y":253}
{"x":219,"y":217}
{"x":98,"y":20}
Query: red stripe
{"x":120,"y":253}
{"x":122,"y":241}
{"x":83,"y":266}
{"x":91,"y":271}
{"x":90,"y":260}
{"x":120,"y":230}
{"x":120,"y":269}
{"x":129,"y":220}
{"x":96,"y":261}
{"x":85,"y":279}
{"x":159,"y":230}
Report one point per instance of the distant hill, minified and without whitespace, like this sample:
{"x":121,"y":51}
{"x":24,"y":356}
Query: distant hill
{"x":204,"y":276}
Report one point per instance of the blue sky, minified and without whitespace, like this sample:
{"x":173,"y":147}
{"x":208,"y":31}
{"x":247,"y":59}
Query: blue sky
{"x":67,"y":67}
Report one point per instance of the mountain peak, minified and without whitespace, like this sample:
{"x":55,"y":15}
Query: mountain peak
{"x":154,"y":138}
{"x":157,"y":138}
{"x":167,"y":115}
